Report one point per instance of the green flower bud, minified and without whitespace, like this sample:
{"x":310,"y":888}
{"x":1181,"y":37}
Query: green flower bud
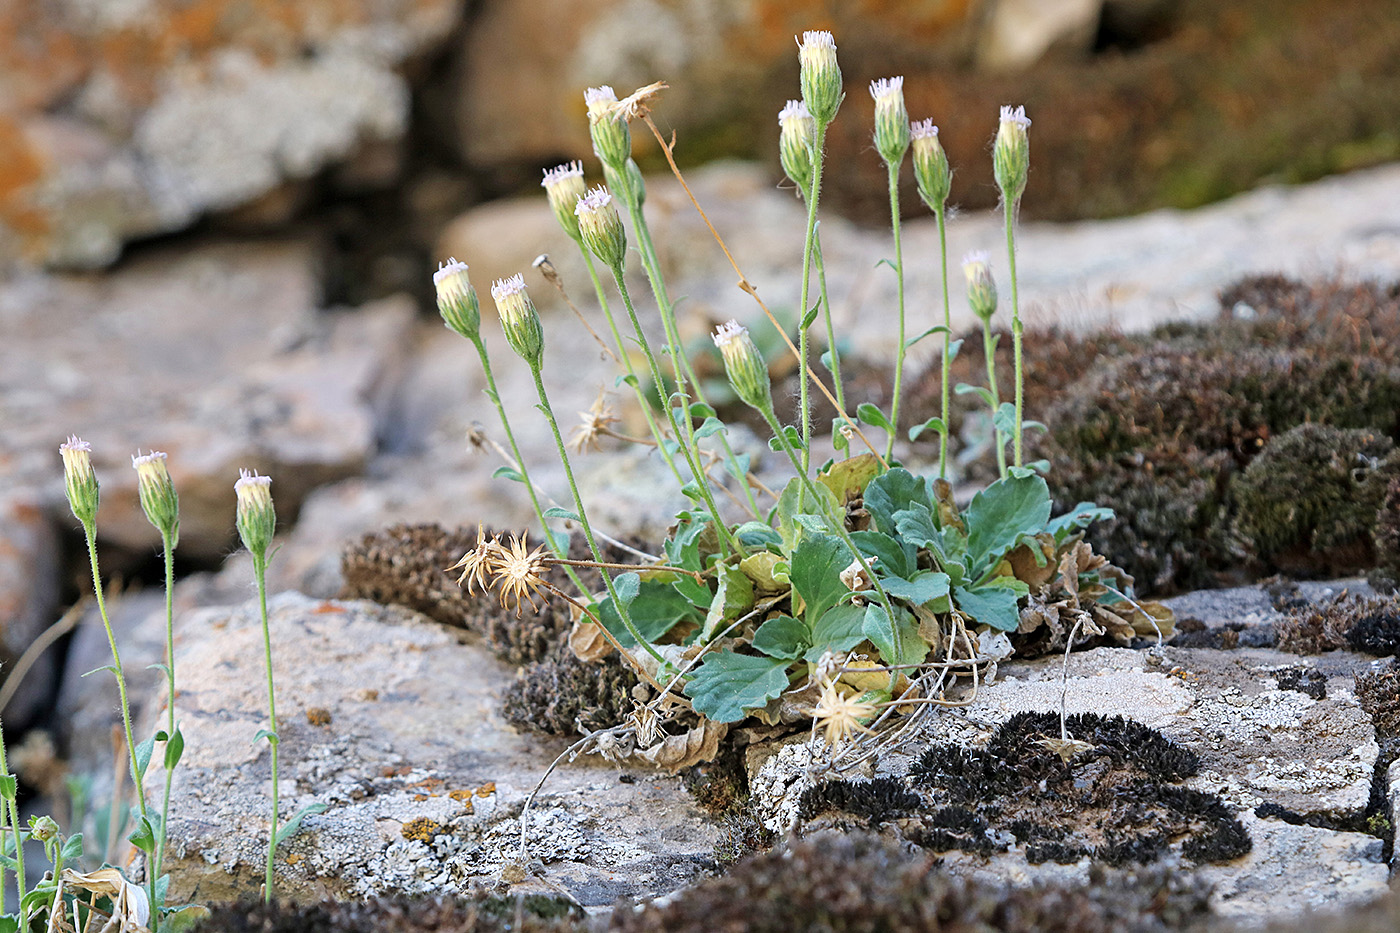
{"x":981,"y":288}
{"x":820,"y":75}
{"x":796,"y":135}
{"x":891,"y":119}
{"x":931,"y":170}
{"x":1011,"y":154}
{"x":519,"y":319}
{"x":157,"y":492}
{"x":602,"y":228}
{"x":744,"y":365}
{"x":456,"y":299}
{"x":42,"y":828}
{"x":80,"y":479}
{"x":256,"y":518}
{"x":564,"y":185}
{"x":612,"y":140}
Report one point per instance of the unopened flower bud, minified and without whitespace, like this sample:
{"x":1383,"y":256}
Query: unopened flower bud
{"x":796,"y":136}
{"x":931,"y":170}
{"x":612,"y":140}
{"x":256,"y":518}
{"x":602,"y":228}
{"x":456,"y":299}
{"x":519,"y":319}
{"x":157,"y":493}
{"x":1011,"y":154}
{"x":744,"y":366}
{"x":80,"y":479}
{"x":891,"y":119}
{"x":564,"y":185}
{"x":981,"y":287}
{"x":820,"y":75}
{"x":42,"y":828}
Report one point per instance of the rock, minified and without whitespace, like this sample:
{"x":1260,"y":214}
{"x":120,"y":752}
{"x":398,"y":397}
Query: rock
{"x":1017,"y":33}
{"x":29,"y":593}
{"x":392,"y":722}
{"x":128,"y":120}
{"x":214,"y":354}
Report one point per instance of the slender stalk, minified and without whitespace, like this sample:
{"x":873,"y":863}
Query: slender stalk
{"x":622,"y":611}
{"x":260,"y":572}
{"x":899,"y":279}
{"x":1010,"y":211}
{"x":809,"y":247}
{"x":167,"y":546}
{"x":727,"y":541}
{"x":941,"y":214}
{"x":11,"y":814}
{"x":830,"y":326}
{"x":989,"y":351}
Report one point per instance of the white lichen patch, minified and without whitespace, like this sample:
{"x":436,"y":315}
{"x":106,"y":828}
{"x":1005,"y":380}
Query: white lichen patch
{"x":778,"y":787}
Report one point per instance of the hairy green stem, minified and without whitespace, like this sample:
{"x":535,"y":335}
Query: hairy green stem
{"x":989,"y":351}
{"x":830,"y":326}
{"x":260,"y":572}
{"x":168,"y":550}
{"x":809,"y":245}
{"x":940,"y":214}
{"x":1010,"y":211}
{"x":622,"y":611}
{"x":11,"y":815}
{"x":899,"y":280}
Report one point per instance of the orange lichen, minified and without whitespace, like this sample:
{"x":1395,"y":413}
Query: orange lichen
{"x":421,"y":829}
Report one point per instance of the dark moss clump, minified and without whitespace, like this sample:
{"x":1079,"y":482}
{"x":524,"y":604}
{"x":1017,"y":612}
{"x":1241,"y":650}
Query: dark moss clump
{"x":1370,"y":624}
{"x":1379,"y":695}
{"x":531,"y":914}
{"x":1110,"y":802}
{"x":858,"y":882}
{"x":874,"y":801}
{"x":720,"y":787}
{"x":1385,"y":578}
{"x":744,"y":835}
{"x":1308,"y":503}
{"x":1308,"y":682}
{"x":562,"y":694}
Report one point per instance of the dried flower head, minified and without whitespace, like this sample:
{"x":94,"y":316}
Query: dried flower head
{"x":456,"y":299}
{"x":564,"y":185}
{"x":1011,"y":154}
{"x":519,"y":319}
{"x":981,"y":287}
{"x":795,"y":139}
{"x":256,"y":518}
{"x":157,"y":493}
{"x":80,"y":479}
{"x":744,"y":365}
{"x":479,"y":562}
{"x":820,"y":75}
{"x":594,"y":423}
{"x":840,"y":716}
{"x":891,"y":119}
{"x":518,"y":572}
{"x":601,"y":227}
{"x":931,"y":171}
{"x":607,"y":124}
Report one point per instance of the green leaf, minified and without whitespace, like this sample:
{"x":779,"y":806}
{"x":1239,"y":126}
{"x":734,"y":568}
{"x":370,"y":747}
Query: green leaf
{"x":701,"y":410}
{"x":37,"y":898}
{"x":1004,"y":419}
{"x":727,"y":685}
{"x":953,"y":347}
{"x":838,"y":438}
{"x":683,"y":547}
{"x":840,"y":629}
{"x":174,"y":748}
{"x":266,"y":734}
{"x":849,"y":477}
{"x":920,"y":589}
{"x":9,"y":924}
{"x":1081,"y":516}
{"x":9,"y":786}
{"x":962,"y":388}
{"x":794,"y":500}
{"x":510,"y":473}
{"x":989,"y":605}
{"x":866,"y":413}
{"x":738,"y":466}
{"x":692,"y":491}
{"x":555,"y":511}
{"x":936,"y":329}
{"x":827,"y":361}
{"x":627,"y":586}
{"x":892,"y":491}
{"x":144,"y":750}
{"x":1030,"y":469}
{"x":934,"y":424}
{"x":811,"y":316}
{"x":766,"y":570}
{"x":143,"y":836}
{"x":794,"y":439}
{"x":757,"y":535}
{"x":105,"y":667}
{"x":895,"y":556}
{"x":657,"y":608}
{"x":782,"y":637}
{"x":816,"y":573}
{"x":183,"y":919}
{"x":292,"y":825}
{"x":712,"y":425}
{"x":1000,"y":514}
{"x":72,"y":848}
{"x":916,"y":527}
{"x":878,"y":628}
{"x":733,"y":598}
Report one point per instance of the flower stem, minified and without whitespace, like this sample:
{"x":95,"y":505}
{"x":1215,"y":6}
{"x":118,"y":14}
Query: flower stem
{"x":622,"y":611}
{"x":11,"y":815}
{"x":809,"y":248}
{"x":989,"y":351}
{"x":1010,"y":211}
{"x":830,"y":326}
{"x":260,"y":572}
{"x":899,"y":279}
{"x":168,"y":549}
{"x":940,"y":213}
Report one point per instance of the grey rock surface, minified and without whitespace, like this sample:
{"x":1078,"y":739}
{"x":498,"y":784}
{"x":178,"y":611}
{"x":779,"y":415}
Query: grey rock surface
{"x":29,"y":597}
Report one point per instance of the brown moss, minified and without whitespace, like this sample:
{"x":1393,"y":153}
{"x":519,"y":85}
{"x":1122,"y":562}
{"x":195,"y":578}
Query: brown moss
{"x":531,"y":914}
{"x":562,"y":694}
{"x":1379,"y":695}
{"x":1359,"y":623}
{"x":1385,"y":578}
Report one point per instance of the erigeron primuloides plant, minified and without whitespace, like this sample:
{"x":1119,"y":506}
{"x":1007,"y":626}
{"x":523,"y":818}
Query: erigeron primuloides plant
{"x":858,"y":590}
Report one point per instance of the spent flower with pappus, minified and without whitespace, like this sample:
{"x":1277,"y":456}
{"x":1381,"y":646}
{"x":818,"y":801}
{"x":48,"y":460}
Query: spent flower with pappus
{"x":850,"y":591}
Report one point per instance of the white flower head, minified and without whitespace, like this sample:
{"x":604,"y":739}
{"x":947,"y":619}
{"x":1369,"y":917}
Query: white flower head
{"x":886,"y":87}
{"x":595,"y":200}
{"x":924,"y":129}
{"x":817,"y":41}
{"x":447,"y":270}
{"x":140,"y":460}
{"x":561,"y":174}
{"x":793,"y":110}
{"x":1016,"y":115}
{"x":503,"y":289}
{"x":729,"y":332}
{"x":975,"y":257}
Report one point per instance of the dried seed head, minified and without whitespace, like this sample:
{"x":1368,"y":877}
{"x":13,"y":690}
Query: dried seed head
{"x":840,"y":716}
{"x":891,"y":119}
{"x":795,"y":139}
{"x":744,"y":365}
{"x":80,"y":479}
{"x":157,"y":492}
{"x":518,"y":572}
{"x":256,"y":518}
{"x":564,"y":185}
{"x":981,"y":287}
{"x":456,"y":299}
{"x":602,"y":228}
{"x":593,"y":424}
{"x":607,"y":124}
{"x":931,"y":171}
{"x":519,"y":319}
{"x":1011,"y":154}
{"x":479,"y":562}
{"x":820,"y":75}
